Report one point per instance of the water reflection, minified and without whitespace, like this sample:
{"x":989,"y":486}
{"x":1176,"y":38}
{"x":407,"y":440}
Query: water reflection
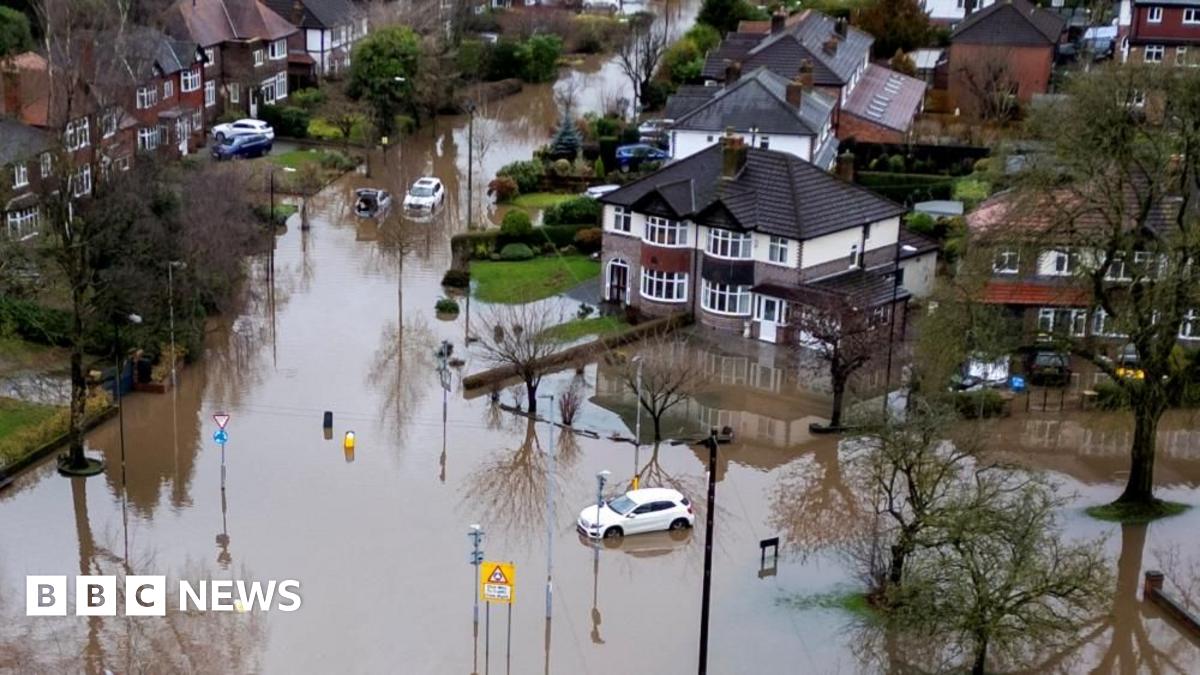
{"x":510,"y":486}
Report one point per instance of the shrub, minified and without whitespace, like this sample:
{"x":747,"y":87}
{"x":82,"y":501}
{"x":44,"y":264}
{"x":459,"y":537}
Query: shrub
{"x":516,"y":225}
{"x":506,"y":60}
{"x":921,"y":223}
{"x":559,"y":235}
{"x":334,"y":160}
{"x":1111,"y":396}
{"x":446,"y":306}
{"x":588,"y":240}
{"x":970,"y":191}
{"x":456,"y":278}
{"x":598,"y":168}
{"x":516,"y":252}
{"x":540,"y":58}
{"x":577,"y":211}
{"x":976,"y":404}
{"x":503,"y":188}
{"x":896,"y":163}
{"x":562,"y":168}
{"x":287,"y":121}
{"x":526,"y":173}
{"x":549,"y":248}
{"x":308,"y":98}
{"x":474,"y":57}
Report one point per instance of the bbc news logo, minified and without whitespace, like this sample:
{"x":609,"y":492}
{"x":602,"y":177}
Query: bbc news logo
{"x":47,"y":595}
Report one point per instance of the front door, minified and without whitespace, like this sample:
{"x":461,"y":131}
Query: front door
{"x":253,"y":103}
{"x":770,"y":316}
{"x":183,"y":131}
{"x":618,"y":282}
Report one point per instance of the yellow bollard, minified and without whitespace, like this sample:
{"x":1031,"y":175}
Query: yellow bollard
{"x":348,"y":446}
{"x":635,"y":482}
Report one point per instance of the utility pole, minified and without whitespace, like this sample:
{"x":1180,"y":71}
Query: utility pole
{"x":470,"y":164}
{"x":637,"y":427}
{"x":476,"y":535}
{"x":550,"y":515}
{"x":887,"y":375}
{"x":706,"y":595}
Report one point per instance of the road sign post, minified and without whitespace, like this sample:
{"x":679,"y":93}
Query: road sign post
{"x":497,"y":582}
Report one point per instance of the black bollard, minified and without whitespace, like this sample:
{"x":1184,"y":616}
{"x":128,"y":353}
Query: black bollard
{"x":328,"y":423}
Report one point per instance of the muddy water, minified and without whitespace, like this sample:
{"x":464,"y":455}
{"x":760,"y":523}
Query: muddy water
{"x":378,"y":539}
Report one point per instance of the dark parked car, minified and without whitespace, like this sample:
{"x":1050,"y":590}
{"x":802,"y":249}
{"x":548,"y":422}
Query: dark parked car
{"x":633,"y":156}
{"x":1049,"y":368}
{"x":254,"y":145}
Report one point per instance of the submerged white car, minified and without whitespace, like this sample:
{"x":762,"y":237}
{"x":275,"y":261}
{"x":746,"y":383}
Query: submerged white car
{"x":425,"y":195}
{"x":637,"y":511}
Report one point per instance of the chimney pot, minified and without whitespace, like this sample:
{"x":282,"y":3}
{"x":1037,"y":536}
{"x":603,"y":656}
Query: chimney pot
{"x":839,"y":27}
{"x":778,"y":20}
{"x":733,"y":71}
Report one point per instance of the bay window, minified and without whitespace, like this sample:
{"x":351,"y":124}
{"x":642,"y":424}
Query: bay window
{"x":1071,"y":322}
{"x":725,"y":298}
{"x":146,"y":97}
{"x":22,"y":222}
{"x":664,"y":286}
{"x":666,"y":232}
{"x":727,"y":244}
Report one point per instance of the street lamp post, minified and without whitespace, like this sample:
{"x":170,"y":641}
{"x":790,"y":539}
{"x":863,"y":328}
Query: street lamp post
{"x":120,"y":364}
{"x":171,"y":267}
{"x":398,"y":80}
{"x":887,"y":376}
{"x":550,"y":513}
{"x":637,"y":425}
{"x":470,"y":163}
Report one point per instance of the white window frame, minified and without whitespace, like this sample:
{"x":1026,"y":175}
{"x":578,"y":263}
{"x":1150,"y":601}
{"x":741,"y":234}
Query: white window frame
{"x":108,"y":124}
{"x":1191,"y":15}
{"x":210,"y":94}
{"x":1101,"y":325}
{"x":259,"y":58}
{"x":1048,"y":320}
{"x":81,"y":182}
{"x":764,"y":142}
{"x":20,"y":175}
{"x":1181,"y":55}
{"x":47,"y":164}
{"x":1189,"y":328}
{"x":78,"y":134}
{"x":777,"y":250}
{"x":667,"y":233}
{"x":1154,"y":15}
{"x":622,"y":220}
{"x":725,"y":299}
{"x":781,"y":317}
{"x":1006,"y":261}
{"x":210,"y":57}
{"x":281,"y":86}
{"x":23,"y":223}
{"x":147,"y":138}
{"x":146,"y":97}
{"x":189,"y":80}
{"x":278,"y":49}
{"x":673,"y":286}
{"x":266,"y":89}
{"x":1153,"y":53}
{"x":197,"y":121}
{"x":1065,"y":256}
{"x":730,"y":245}
{"x":168,"y":89}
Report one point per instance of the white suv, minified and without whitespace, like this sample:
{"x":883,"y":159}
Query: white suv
{"x":637,"y":511}
{"x":244,"y":127}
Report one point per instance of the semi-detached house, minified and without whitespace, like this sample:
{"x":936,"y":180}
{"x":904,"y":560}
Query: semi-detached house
{"x":738,"y":236}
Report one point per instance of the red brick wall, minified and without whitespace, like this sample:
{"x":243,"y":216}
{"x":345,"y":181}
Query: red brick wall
{"x":1171,"y":29}
{"x":1028,"y":67}
{"x":852,"y":126}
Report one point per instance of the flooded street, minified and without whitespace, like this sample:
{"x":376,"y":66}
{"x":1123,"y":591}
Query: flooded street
{"x":378,"y":539}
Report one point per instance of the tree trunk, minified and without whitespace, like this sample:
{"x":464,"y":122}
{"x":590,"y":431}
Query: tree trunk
{"x":531,"y":391}
{"x":657,"y":428}
{"x":981,"y":646}
{"x":900,"y":552}
{"x":839,"y":393}
{"x":78,"y":389}
{"x":1147,"y":410}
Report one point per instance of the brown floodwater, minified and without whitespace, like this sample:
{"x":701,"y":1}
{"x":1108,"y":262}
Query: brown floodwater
{"x":378,"y":538}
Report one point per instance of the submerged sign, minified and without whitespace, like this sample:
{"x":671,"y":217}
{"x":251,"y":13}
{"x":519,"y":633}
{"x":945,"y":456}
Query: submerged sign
{"x":497,"y":582}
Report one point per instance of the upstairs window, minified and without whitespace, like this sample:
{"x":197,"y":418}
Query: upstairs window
{"x":108,"y":124}
{"x":278,"y":49}
{"x":777,"y":250}
{"x":147,"y":97}
{"x":78,"y":134}
{"x":622,"y":220}
{"x":726,"y":244}
{"x":666,"y":232}
{"x":168,"y":89}
{"x":1006,"y":261}
{"x":210,"y":94}
{"x":1191,"y":15}
{"x":259,"y":57}
{"x":189,"y":80}
{"x":210,"y":57}
{"x":20,"y":175}
{"x":47,"y":164}
{"x":1154,"y":15}
{"x":81,"y":182}
{"x":1057,"y":263}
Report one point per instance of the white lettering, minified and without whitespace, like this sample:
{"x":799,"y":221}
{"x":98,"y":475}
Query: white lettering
{"x":285,"y":592}
{"x":256,"y":596}
{"x":199,"y":599}
{"x":219,"y":591}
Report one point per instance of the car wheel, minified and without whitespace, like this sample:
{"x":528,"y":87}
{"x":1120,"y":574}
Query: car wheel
{"x":614,"y":532}
{"x":220,"y":137}
{"x":679,"y":524}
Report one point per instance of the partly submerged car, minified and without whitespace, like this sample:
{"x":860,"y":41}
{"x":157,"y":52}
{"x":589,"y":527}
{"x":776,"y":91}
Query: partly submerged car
{"x":242,"y":147}
{"x":425,"y":195}
{"x":246,"y":127}
{"x":637,"y":511}
{"x":371,"y":202}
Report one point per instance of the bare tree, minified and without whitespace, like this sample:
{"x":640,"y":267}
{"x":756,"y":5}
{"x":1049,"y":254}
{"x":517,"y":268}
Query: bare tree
{"x":517,"y":339}
{"x":845,"y":332}
{"x":639,"y":54}
{"x":670,"y":373}
{"x":991,"y":87}
{"x":343,"y":112}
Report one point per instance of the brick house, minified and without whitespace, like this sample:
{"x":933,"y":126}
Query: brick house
{"x":328,"y":31}
{"x":1008,"y":47}
{"x":1040,"y":278}
{"x":245,"y":46}
{"x":764,"y":108}
{"x":162,"y":88}
{"x":1167,"y":32}
{"x":21,"y":151}
{"x":872,"y":103}
{"x":738,"y":236}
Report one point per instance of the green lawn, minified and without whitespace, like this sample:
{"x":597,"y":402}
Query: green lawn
{"x":578,"y":328}
{"x":1136,"y":513}
{"x":514,"y":282}
{"x":19,"y":428}
{"x":292,"y":159}
{"x":540,"y":200}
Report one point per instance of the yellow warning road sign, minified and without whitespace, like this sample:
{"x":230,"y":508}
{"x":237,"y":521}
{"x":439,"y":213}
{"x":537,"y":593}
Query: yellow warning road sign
{"x":497,"y":582}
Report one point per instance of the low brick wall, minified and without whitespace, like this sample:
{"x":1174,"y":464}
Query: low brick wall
{"x":1154,"y":593}
{"x":482,"y":382}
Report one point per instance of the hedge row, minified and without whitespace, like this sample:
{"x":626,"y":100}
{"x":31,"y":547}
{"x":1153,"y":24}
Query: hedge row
{"x":559,"y":235}
{"x":49,"y":326}
{"x":907,"y":187}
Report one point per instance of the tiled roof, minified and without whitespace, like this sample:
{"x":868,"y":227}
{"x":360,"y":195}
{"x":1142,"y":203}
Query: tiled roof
{"x":20,"y":142}
{"x":1010,"y":22}
{"x":1016,"y":216}
{"x":147,"y":48}
{"x":774,"y":192}
{"x":866,"y":288}
{"x":211,"y":22}
{"x":784,"y":51}
{"x":1033,"y":293}
{"x":687,"y":98}
{"x":920,"y":242}
{"x":759,"y":100}
{"x":886,"y":98}
{"x":315,"y":13}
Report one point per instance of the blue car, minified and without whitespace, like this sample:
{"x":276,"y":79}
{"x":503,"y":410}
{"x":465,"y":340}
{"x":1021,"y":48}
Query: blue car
{"x":633,"y":156}
{"x":243,"y":147}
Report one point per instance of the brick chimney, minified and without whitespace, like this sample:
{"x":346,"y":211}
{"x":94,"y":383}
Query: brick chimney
{"x":733,"y":71}
{"x":845,"y":166}
{"x":297,"y":12}
{"x":778,"y":20}
{"x":830,"y":46}
{"x":795,"y":93}
{"x":805,"y":74}
{"x":733,"y":154}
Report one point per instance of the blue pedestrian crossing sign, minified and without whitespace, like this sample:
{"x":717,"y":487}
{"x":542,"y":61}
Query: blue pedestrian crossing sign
{"x":221,"y":436}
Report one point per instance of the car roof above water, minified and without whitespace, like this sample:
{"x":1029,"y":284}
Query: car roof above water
{"x":654,"y":494}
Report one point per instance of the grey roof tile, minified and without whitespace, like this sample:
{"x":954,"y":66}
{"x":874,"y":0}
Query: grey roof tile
{"x":758,"y":100}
